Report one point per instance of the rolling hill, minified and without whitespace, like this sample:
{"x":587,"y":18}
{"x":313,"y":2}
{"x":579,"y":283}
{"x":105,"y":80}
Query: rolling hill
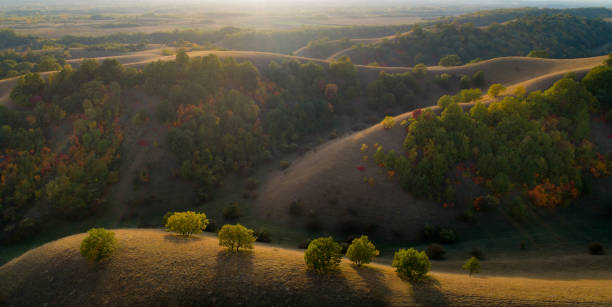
{"x":155,"y":268}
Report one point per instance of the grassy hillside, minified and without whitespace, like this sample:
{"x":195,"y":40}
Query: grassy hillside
{"x":155,"y":268}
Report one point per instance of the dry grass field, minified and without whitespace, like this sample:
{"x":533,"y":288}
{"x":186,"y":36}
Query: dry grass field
{"x":155,"y":268}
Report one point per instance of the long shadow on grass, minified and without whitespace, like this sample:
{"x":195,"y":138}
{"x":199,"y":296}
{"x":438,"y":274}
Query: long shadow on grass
{"x":373,"y":278}
{"x":427,"y":292}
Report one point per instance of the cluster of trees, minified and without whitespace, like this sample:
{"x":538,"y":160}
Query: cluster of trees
{"x":227,"y":116}
{"x":487,"y":17}
{"x":531,"y":148}
{"x":391,"y":90}
{"x":13,"y":64}
{"x":564,"y":36}
{"x":70,"y":178}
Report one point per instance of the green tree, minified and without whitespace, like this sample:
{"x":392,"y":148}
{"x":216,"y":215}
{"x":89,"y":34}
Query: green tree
{"x":450,"y":60}
{"x":99,"y":244}
{"x":445,"y":101}
{"x":478,"y":79}
{"x":234,"y":237}
{"x":28,"y":85}
{"x":495,"y":90}
{"x":599,"y":82}
{"x":472,"y":265}
{"x":419,"y":71}
{"x":323,"y":254}
{"x":362,"y":251}
{"x":411,"y":263}
{"x":186,"y":223}
{"x":539,"y":54}
{"x":465,"y":82}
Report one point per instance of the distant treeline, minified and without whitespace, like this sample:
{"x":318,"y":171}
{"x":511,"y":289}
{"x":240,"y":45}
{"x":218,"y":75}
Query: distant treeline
{"x":560,"y":36}
{"x":485,"y":18}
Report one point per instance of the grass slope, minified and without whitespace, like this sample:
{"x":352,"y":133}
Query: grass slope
{"x":155,"y":268}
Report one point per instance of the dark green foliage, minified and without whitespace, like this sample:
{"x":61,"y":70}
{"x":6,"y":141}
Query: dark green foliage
{"x":435,"y":252}
{"x":391,"y":90}
{"x":565,"y":36}
{"x":443,"y":80}
{"x":231,"y":212}
{"x":465,"y":82}
{"x":411,"y":263}
{"x":166,"y":217}
{"x":31,"y":84}
{"x":599,"y":82}
{"x":450,"y":60}
{"x":99,"y":244}
{"x":596,"y":248}
{"x":539,"y":54}
{"x":323,"y":254}
{"x":502,"y":138}
{"x":478,"y":79}
{"x":262,"y":235}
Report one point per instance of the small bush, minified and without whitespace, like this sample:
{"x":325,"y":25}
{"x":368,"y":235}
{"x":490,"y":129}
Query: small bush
{"x":234,"y":237}
{"x":99,"y":244}
{"x":411,"y":263}
{"x":446,"y":235}
{"x":472,"y":265}
{"x":596,"y":248}
{"x":323,"y":254}
{"x":476,"y":252}
{"x":186,"y":223}
{"x":388,"y":122}
{"x":232,"y":212}
{"x":262,"y":235}
{"x":435,"y":251}
{"x":284,"y":164}
{"x":212,"y":226}
{"x":362,"y":251}
{"x":304,"y":244}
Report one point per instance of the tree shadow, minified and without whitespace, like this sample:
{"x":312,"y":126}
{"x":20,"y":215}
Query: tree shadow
{"x":427,"y":291}
{"x":181,"y":239}
{"x":341,"y":294}
{"x":374,"y":279}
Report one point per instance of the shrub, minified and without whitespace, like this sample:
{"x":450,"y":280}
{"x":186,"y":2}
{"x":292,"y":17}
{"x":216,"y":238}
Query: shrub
{"x":411,"y":263}
{"x":472,"y":265}
{"x":476,"y":252}
{"x":596,"y":248}
{"x":186,"y":223}
{"x":419,"y":71}
{"x":446,"y":235}
{"x":495,"y":90}
{"x":478,"y":79}
{"x":435,"y":251}
{"x":234,"y":237}
{"x":99,"y":244}
{"x":232,"y":212}
{"x":442,"y":80}
{"x":262,"y":235}
{"x":362,"y":251}
{"x":284,"y":164}
{"x":465,"y":82}
{"x":323,"y":254}
{"x":212,"y":226}
{"x":388,"y":122}
{"x":450,"y":60}
{"x":304,"y":244}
